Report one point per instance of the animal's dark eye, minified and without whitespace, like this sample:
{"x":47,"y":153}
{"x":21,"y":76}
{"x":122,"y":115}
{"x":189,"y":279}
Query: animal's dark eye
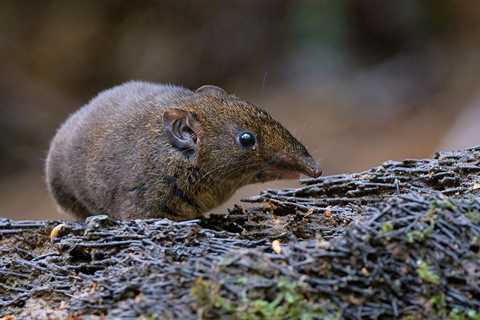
{"x":247,"y":139}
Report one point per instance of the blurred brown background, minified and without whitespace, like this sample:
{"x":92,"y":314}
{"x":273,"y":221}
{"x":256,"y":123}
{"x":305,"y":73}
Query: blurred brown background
{"x":359,"y":81}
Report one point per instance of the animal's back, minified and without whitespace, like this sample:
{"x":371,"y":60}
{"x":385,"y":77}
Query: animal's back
{"x":101,"y":143}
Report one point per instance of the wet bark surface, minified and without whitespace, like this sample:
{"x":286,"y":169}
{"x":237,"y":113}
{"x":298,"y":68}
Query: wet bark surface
{"x":398,"y":240}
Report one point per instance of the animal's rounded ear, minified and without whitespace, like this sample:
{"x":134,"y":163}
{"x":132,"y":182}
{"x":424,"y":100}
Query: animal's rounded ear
{"x":182,"y":128}
{"x":212,"y":90}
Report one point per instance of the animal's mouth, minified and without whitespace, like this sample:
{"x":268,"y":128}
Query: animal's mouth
{"x":290,"y":168}
{"x":278,"y":173}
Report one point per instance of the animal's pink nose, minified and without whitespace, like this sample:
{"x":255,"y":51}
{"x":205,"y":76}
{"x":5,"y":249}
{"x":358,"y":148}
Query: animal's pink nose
{"x":312,"y":168}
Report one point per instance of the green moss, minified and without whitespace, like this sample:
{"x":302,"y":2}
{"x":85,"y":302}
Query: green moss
{"x":206,"y":294}
{"x":425,"y":273}
{"x":387,"y":227}
{"x":444,"y":204}
{"x":438,"y":301}
{"x":473,"y":216}
{"x":456,"y":314}
{"x":420,"y":235}
{"x":439,"y":305}
{"x":242,"y":281}
{"x":289,"y":303}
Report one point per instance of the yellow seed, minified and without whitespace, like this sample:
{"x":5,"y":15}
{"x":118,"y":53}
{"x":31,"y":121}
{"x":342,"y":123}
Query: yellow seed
{"x":57,"y":231}
{"x":276,"y":246}
{"x":365,"y":272}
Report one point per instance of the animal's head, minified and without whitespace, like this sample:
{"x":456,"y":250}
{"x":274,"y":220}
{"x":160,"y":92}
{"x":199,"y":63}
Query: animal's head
{"x":229,"y":138}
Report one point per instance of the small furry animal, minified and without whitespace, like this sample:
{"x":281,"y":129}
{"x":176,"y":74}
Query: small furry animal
{"x":145,"y":150}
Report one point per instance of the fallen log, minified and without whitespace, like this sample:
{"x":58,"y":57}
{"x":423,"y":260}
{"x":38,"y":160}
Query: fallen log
{"x":401,"y":240}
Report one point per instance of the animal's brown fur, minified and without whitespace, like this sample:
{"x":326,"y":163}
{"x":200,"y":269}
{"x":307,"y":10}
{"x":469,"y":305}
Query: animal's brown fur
{"x":115,"y":155}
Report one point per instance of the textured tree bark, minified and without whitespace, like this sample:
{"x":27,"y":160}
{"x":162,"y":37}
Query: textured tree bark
{"x":401,"y":239}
